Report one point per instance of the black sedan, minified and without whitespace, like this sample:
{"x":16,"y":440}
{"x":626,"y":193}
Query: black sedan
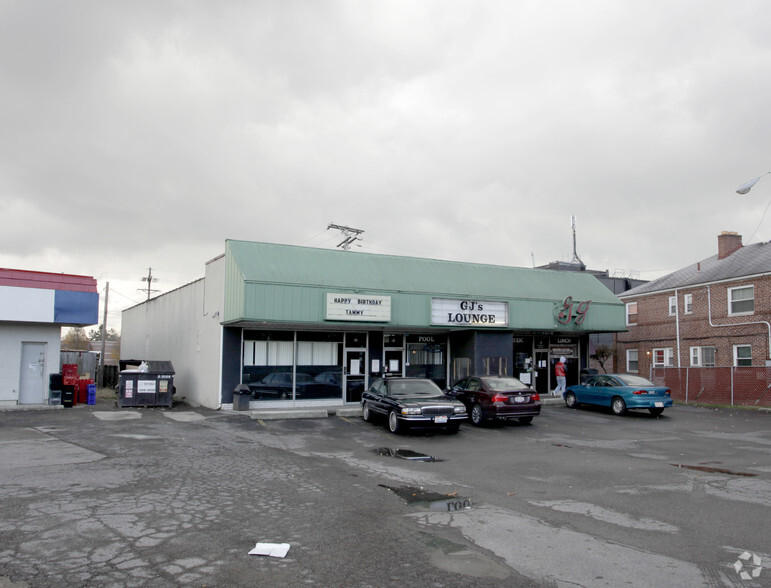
{"x":497,"y":397}
{"x":411,"y":402}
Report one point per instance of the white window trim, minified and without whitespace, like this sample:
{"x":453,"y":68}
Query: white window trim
{"x":729,"y":299}
{"x":668,"y":357}
{"x":637,"y":361}
{"x":672,"y":306}
{"x":697,"y":355}
{"x":628,"y":304}
{"x":687,"y":303}
{"x":736,"y":355}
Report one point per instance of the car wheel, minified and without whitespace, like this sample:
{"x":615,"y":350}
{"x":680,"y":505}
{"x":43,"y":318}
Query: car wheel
{"x":394,"y":424}
{"x":525,"y":420}
{"x":656,"y":411}
{"x":365,"y":413}
{"x":618,"y":405}
{"x":570,"y":400}
{"x":477,"y":415}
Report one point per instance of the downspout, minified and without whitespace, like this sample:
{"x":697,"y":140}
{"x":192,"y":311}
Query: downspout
{"x":677,"y":325}
{"x":711,"y":324}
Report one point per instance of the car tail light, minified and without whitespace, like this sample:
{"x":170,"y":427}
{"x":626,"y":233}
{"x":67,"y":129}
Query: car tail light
{"x":535,"y":397}
{"x":638,"y":392}
{"x":667,"y":392}
{"x":499,"y":398}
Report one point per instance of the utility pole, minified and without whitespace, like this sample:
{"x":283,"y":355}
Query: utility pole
{"x":100,"y":380}
{"x":349,"y":233}
{"x":149,"y":279}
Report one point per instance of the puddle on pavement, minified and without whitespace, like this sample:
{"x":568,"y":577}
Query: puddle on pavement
{"x":434,"y":500}
{"x":406,"y":454}
{"x":461,"y":559}
{"x":712,"y":470}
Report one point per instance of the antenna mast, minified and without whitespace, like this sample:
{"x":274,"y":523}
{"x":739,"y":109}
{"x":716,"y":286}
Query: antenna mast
{"x":351,"y":235}
{"x":575,"y":253}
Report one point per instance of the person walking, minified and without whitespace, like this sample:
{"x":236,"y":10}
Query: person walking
{"x":559,"y":372}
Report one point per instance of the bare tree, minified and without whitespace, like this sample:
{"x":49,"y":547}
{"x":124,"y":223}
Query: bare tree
{"x":96,"y":334}
{"x":75,"y":340}
{"x":602,"y":353}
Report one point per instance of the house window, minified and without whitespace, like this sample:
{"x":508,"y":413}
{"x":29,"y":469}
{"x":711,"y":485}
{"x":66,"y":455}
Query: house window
{"x":631,"y":360}
{"x":742,"y":355}
{"x":703,"y":356}
{"x":672,"y":305}
{"x":663,"y":357}
{"x":631,"y":313}
{"x":688,"y":303}
{"x":741,"y":300}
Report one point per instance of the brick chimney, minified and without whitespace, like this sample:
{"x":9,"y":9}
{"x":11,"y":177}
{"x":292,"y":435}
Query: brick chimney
{"x":728,"y":242}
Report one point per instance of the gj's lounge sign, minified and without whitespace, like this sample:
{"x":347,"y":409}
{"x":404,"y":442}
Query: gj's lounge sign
{"x":469,"y":313}
{"x":358,"y":307}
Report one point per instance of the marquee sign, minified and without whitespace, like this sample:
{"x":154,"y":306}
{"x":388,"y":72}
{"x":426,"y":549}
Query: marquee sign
{"x":469,"y":313}
{"x":358,"y":307}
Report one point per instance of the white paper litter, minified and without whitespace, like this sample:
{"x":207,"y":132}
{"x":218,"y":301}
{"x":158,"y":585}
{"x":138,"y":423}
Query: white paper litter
{"x":270,"y":549}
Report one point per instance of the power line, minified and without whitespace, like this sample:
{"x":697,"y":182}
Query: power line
{"x":114,"y":291}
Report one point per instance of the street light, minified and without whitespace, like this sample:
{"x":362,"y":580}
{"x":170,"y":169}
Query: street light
{"x":747,"y":186}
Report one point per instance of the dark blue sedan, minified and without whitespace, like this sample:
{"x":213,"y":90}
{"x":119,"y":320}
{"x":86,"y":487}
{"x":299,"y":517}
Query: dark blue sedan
{"x":620,"y":392}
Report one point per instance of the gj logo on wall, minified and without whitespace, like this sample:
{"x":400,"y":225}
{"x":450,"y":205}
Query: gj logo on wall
{"x":469,"y":313}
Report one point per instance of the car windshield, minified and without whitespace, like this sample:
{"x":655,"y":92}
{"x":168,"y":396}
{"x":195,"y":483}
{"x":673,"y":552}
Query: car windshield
{"x":505,"y":384}
{"x":413,"y":388}
{"x":628,"y":380}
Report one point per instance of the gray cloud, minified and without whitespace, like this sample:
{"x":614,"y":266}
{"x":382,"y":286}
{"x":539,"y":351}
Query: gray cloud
{"x":146,"y":133}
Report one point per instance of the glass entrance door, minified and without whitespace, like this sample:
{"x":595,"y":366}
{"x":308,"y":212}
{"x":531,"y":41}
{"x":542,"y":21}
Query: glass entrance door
{"x":542,"y":372}
{"x":394,"y":363}
{"x":355,"y":374}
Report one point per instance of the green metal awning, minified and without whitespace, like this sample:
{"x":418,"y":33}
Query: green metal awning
{"x":280,"y":283}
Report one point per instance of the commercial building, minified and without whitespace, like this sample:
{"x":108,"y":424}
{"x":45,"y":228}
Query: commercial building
{"x":302,"y":326}
{"x":34,"y":306}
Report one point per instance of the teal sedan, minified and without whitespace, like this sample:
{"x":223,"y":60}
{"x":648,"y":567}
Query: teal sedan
{"x":620,"y":392}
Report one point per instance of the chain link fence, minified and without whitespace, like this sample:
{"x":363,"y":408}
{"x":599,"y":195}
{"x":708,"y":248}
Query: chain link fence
{"x":734,"y":386}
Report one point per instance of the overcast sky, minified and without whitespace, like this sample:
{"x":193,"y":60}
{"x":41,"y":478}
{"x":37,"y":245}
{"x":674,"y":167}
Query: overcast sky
{"x":145,"y":134}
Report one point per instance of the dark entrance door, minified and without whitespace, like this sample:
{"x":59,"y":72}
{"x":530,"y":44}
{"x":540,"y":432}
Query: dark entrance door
{"x":542,"y":372}
{"x":355,"y":366}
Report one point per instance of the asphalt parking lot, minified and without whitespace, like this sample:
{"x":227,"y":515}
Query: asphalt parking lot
{"x":98,"y":496}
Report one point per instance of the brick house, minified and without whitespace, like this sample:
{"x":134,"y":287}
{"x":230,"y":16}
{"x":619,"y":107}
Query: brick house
{"x":713,"y":313}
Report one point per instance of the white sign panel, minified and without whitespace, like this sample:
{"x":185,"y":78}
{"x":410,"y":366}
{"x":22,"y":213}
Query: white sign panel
{"x":33,"y":305}
{"x":358,"y":307}
{"x":469,"y":313}
{"x":146,"y":387}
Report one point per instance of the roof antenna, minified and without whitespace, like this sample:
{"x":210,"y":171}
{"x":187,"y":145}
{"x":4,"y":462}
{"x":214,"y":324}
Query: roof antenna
{"x":575,"y":253}
{"x":349,"y":233}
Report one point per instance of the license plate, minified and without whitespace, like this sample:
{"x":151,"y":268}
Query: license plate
{"x":440,"y":419}
{"x":658,"y":404}
{"x":519,"y":399}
